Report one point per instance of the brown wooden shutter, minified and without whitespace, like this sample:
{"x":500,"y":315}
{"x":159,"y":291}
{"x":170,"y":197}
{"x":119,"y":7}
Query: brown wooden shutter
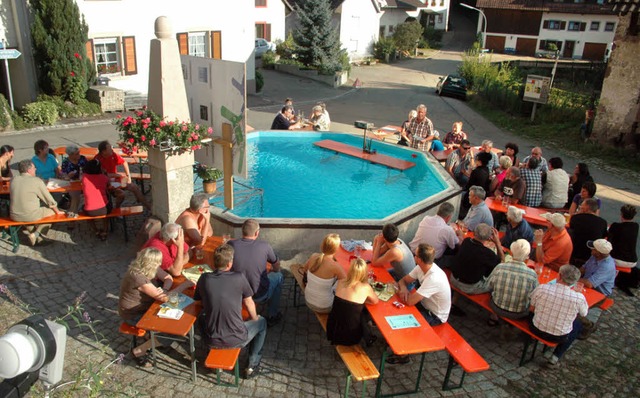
{"x":183,"y":43}
{"x":89,"y":47}
{"x":545,"y":24}
{"x":543,"y":45}
{"x":563,"y":25}
{"x":216,"y":44}
{"x":129,"y":55}
{"x":583,"y":26}
{"x":267,"y":31}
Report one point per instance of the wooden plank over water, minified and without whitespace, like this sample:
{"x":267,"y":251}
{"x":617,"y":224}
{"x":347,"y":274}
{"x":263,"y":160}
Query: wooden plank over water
{"x":356,"y":152}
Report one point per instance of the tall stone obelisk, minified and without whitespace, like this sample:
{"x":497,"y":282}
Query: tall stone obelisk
{"x":171,"y":173}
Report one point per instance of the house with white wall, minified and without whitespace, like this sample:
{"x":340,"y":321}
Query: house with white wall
{"x":270,"y":19}
{"x":583,"y":29}
{"x":120,"y":32}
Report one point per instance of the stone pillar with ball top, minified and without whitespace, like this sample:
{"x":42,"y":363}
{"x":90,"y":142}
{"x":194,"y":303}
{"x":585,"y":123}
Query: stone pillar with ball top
{"x":171,"y":170}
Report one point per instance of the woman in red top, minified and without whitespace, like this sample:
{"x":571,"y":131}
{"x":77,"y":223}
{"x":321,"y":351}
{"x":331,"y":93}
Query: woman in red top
{"x":96,"y":200}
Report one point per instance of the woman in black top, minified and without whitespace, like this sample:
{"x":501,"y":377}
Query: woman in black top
{"x":6,"y":154}
{"x":580,"y":176}
{"x":623,"y":237}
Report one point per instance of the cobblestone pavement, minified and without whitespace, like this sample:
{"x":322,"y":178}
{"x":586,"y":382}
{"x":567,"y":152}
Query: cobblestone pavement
{"x":298,"y":361}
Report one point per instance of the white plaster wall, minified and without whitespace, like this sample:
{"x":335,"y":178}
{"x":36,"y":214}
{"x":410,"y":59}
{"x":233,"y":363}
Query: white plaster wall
{"x":274,"y":14}
{"x":588,"y":36}
{"x":359,"y":27}
{"x":136,"y":18}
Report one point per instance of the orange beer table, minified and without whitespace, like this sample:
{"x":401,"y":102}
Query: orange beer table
{"x":533,"y":215}
{"x":182,"y":327}
{"x":408,"y":341}
{"x":5,"y":187}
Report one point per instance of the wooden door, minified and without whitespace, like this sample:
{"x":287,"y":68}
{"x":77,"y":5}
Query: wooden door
{"x":568,"y":49}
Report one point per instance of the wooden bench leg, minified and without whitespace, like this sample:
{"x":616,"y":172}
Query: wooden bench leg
{"x":525,"y":350}
{"x":447,"y":386}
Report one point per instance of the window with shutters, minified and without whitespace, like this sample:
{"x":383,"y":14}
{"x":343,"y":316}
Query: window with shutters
{"x":197,"y":44}
{"x":204,"y":112}
{"x":106,"y":56}
{"x":553,"y":25}
{"x":263,"y":31}
{"x":574,"y":26}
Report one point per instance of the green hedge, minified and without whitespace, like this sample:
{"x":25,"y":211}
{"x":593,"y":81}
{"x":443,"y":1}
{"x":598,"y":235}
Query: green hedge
{"x":42,"y":113}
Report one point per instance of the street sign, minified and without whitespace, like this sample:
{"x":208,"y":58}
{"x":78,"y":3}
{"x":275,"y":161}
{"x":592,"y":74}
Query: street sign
{"x":537,"y":89}
{"x":10,"y":54}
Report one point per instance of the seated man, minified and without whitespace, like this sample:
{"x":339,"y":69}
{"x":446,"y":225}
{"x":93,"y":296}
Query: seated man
{"x":511,"y":283}
{"x":554,"y":247}
{"x":284,"y":119}
{"x":554,"y":193}
{"x":493,"y":163}
{"x":474,"y":262}
{"x":517,"y":227}
{"x":195,"y":221}
{"x":541,"y":165}
{"x":109,"y":161}
{"x":433,"y":296}
{"x":460,"y":162}
{"x":170,"y":241}
{"x":27,"y":191}
{"x":585,"y":226}
{"x":223,"y":293}
{"x":532,"y":178}
{"x":437,"y":233}
{"x":599,"y":273}
{"x":479,"y":211}
{"x":250,"y":259}
{"x":387,"y":248}
{"x":556,"y":307}
{"x":512,"y":187}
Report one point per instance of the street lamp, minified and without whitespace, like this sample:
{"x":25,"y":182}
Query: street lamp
{"x":484,"y":31}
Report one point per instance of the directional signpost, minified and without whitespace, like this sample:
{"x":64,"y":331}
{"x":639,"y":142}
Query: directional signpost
{"x":7,"y":54}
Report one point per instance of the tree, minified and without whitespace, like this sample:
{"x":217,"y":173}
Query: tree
{"x":407,"y":35}
{"x":59,"y":33}
{"x":316,"y":37}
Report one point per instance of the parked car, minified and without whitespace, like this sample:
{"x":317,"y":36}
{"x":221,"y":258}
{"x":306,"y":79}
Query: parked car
{"x":452,"y":85}
{"x":262,"y":46}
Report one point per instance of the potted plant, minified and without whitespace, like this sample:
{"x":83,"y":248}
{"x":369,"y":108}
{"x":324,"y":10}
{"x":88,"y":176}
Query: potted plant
{"x":208,"y":175}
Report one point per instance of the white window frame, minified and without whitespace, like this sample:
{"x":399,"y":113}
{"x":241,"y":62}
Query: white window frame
{"x":595,"y":26}
{"x":197,"y":44}
{"x":609,"y":26}
{"x":110,"y":65}
{"x":573,"y":26}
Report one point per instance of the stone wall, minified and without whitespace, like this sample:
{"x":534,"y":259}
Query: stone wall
{"x":618,"y":113}
{"x":338,"y":80}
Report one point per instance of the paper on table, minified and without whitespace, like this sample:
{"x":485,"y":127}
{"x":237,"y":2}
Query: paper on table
{"x":170,"y":313}
{"x":193,"y":273}
{"x":54,"y":183}
{"x":183,"y":302}
{"x":402,"y":321}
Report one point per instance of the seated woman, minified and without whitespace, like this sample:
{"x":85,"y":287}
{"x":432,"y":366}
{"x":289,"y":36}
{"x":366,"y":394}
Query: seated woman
{"x":6,"y":154}
{"x":322,"y":271}
{"x":588,"y":191}
{"x":511,"y":149}
{"x":404,"y":138}
{"x":319,"y":119}
{"x":71,"y":168}
{"x":505,"y":163}
{"x":623,"y":237}
{"x":577,"y":179}
{"x":347,"y":324}
{"x":46,"y":164}
{"x":96,"y":200}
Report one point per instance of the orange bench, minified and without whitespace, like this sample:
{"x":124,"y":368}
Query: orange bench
{"x":460,"y":352}
{"x":224,"y":359}
{"x":14,"y":226}
{"x":523,"y":324}
{"x":132,"y":331}
{"x":606,"y":304}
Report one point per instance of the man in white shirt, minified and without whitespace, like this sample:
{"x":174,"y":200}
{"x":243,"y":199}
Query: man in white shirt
{"x":555,"y":191}
{"x":436,"y":231}
{"x":556,"y":307}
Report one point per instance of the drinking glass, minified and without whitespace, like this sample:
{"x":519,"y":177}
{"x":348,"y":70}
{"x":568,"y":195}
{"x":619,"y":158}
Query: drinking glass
{"x":199,"y":253}
{"x":579,"y":287}
{"x":539,"y":268}
{"x":505,"y":201}
{"x":357,"y":251}
{"x":174,"y":299}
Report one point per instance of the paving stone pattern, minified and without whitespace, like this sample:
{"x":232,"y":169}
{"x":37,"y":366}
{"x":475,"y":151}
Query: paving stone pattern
{"x":298,"y":360}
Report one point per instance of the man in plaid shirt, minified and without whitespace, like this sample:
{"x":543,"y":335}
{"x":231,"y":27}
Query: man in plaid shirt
{"x":556,"y":307}
{"x":533,"y":180}
{"x":421,"y":130}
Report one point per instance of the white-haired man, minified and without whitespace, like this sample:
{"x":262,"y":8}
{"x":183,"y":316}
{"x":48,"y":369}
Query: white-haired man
{"x":479,"y":211}
{"x":557,"y":312}
{"x":420,"y":130}
{"x":517,"y":227}
{"x":170,"y":242}
{"x":511,"y":283}
{"x":436,"y":232}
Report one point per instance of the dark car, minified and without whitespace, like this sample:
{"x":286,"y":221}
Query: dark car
{"x":452,"y":85}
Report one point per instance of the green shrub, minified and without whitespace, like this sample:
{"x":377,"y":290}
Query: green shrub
{"x":383,"y":48}
{"x":286,"y":49}
{"x":268,"y":59}
{"x":291,"y":62}
{"x":85,"y":107}
{"x":407,"y":35}
{"x":19,"y":123}
{"x":5,"y":113}
{"x":259,"y":81}
{"x":433,"y":36}
{"x":65,"y":109}
{"x":42,"y":113}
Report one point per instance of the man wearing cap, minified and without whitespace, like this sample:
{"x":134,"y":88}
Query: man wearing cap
{"x":585,"y":226}
{"x":554,"y":247}
{"x":555,"y":309}
{"x":599,"y":273}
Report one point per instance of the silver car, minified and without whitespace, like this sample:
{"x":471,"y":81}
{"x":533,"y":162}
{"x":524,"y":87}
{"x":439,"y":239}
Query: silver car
{"x":262,"y":46}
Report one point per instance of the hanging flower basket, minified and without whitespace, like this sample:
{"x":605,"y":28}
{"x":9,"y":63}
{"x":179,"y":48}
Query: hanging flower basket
{"x":146,"y":130}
